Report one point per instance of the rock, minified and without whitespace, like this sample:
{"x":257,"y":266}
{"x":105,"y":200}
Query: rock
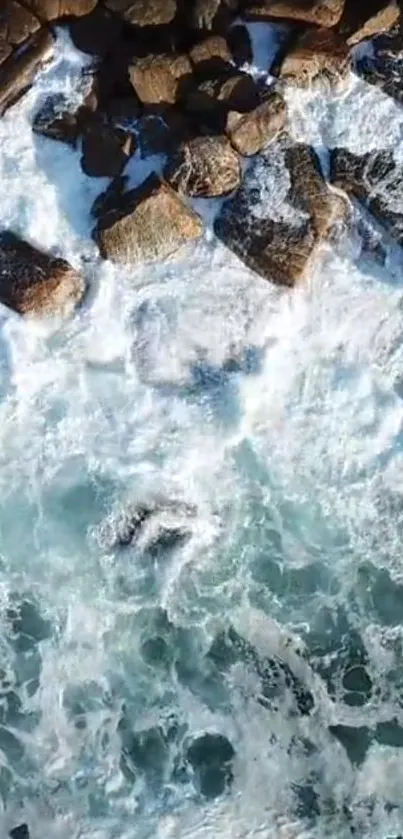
{"x":16,"y":25}
{"x":113,"y":194}
{"x":150,"y":223}
{"x":317,"y":52}
{"x":211,"y":757}
{"x":97,"y":32}
{"x":161,"y":134}
{"x":157,"y":526}
{"x":144,"y":12}
{"x":161,"y":79}
{"x":360,"y":22}
{"x":211,"y":101}
{"x":250,"y":133}
{"x":35,"y":283}
{"x":382,"y":65}
{"x":240,"y":44}
{"x":212,"y":14}
{"x":18,"y":72}
{"x":56,"y":121}
{"x":205,"y":167}
{"x":281,"y":213}
{"x":105,"y":149}
{"x":319,"y":12}
{"x":20,"y":832}
{"x":356,"y":740}
{"x":376,"y":180}
{"x":211,"y":56}
{"x":47,"y":10}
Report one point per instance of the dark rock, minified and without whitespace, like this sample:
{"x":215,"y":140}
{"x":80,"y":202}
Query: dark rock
{"x":362,"y":21}
{"x":18,"y":72}
{"x":317,"y":52}
{"x":383,"y":64}
{"x":29,"y":628}
{"x":107,"y":200}
{"x":389,"y":733}
{"x":144,"y":12}
{"x":97,"y":32}
{"x":161,"y":134}
{"x":355,"y":740}
{"x":276,"y":227}
{"x":161,"y":79}
{"x":211,"y":101}
{"x":250,"y":133}
{"x":56,"y":121}
{"x":211,"y":757}
{"x":376,"y":180}
{"x":16,"y":26}
{"x":150,"y":223}
{"x":319,"y":12}
{"x":212,"y":14}
{"x":145,"y":752}
{"x":211,"y":56}
{"x":20,"y":832}
{"x":240,"y":44}
{"x":47,"y":10}
{"x":106,"y":149}
{"x":205,"y":167}
{"x":34,"y":283}
{"x":166,"y":521}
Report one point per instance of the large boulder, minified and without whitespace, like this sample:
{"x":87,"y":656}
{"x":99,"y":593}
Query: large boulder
{"x":54,"y":9}
{"x":161,"y":79}
{"x":361,"y":21}
{"x":280,"y":215}
{"x":205,"y":167}
{"x":376,"y":180}
{"x":18,"y":72}
{"x":316,"y":52}
{"x":318,"y":12}
{"x":249,"y":133}
{"x":144,"y":12}
{"x":150,"y":222}
{"x":16,"y":25}
{"x":35,"y":283}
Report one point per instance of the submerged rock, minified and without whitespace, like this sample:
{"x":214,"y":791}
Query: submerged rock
{"x":35,"y":283}
{"x":19,"y":832}
{"x":316,"y":53}
{"x":160,"y":526}
{"x":211,"y":757}
{"x":356,"y":740}
{"x":205,"y":167}
{"x":249,"y":133}
{"x":150,"y":222}
{"x":18,"y":72}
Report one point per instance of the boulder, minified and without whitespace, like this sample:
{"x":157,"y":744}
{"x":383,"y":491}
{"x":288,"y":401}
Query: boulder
{"x":16,"y":25}
{"x":317,"y":52}
{"x":55,"y":121}
{"x":250,"y":133}
{"x":34,"y":283}
{"x":382,"y":65}
{"x":149,"y":223}
{"x":18,"y":72}
{"x":97,"y":32}
{"x":212,"y":14}
{"x":161,"y":79}
{"x":144,"y":12}
{"x":376,"y":180}
{"x":211,"y":56}
{"x":161,"y":134}
{"x":106,"y":149}
{"x":47,"y":10}
{"x":362,"y":21}
{"x":282,"y":212}
{"x":318,"y":12}
{"x":210,"y":102}
{"x":205,"y":167}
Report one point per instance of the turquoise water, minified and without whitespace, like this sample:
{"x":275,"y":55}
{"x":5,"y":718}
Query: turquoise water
{"x":260,"y":599}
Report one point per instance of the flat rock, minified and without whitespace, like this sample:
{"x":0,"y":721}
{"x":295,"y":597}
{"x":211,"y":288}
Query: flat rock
{"x":376,"y":180}
{"x":144,"y":12}
{"x":35,"y":283}
{"x":280,"y":215}
{"x":18,"y":72}
{"x":317,"y":52}
{"x":249,"y":133}
{"x":319,"y":12}
{"x":47,"y":10}
{"x":149,"y":223}
{"x":161,"y":79}
{"x":362,"y":21}
{"x":106,"y":149}
{"x":205,"y":167}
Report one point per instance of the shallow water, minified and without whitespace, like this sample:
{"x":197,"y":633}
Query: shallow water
{"x":273,"y":421}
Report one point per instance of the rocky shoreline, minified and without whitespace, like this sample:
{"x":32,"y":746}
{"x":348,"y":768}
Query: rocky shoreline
{"x":173,"y":78}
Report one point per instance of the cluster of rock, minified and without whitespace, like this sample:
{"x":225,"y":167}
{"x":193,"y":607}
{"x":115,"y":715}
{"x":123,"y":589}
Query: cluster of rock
{"x":169,"y":78}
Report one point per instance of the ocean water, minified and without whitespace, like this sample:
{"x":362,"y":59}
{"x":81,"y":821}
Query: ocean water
{"x":260,"y":596}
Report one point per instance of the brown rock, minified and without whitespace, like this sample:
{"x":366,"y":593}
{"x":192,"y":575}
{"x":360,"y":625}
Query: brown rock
{"x":361,"y":21}
{"x":319,"y":12}
{"x":275,"y":224}
{"x":34,"y":283}
{"x":212,"y":14}
{"x":205,"y":167}
{"x":161,"y":79}
{"x":250,"y":133}
{"x":16,"y":23}
{"x":106,"y":149}
{"x":150,"y":222}
{"x":18,"y":72}
{"x":211,"y":56}
{"x":52,"y":9}
{"x":317,"y":52}
{"x":144,"y":12}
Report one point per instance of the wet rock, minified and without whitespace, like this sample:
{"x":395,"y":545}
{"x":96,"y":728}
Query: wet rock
{"x":158,"y":524}
{"x":211,"y":101}
{"x":97,"y":32}
{"x":161,"y":79}
{"x":106,"y":149}
{"x":317,"y":52}
{"x":362,"y":21}
{"x":47,"y":10}
{"x":382,"y":65}
{"x":111,"y":197}
{"x":29,"y":628}
{"x":35,"y":283}
{"x":319,"y":12}
{"x":144,"y":12}
{"x":55,"y":121}
{"x":212,"y":14}
{"x":276,"y":224}
{"x":150,"y":223}
{"x":18,"y":72}
{"x":389,"y":733}
{"x":240,"y":44}
{"x":250,"y":133}
{"x":211,"y":757}
{"x":16,"y":25}
{"x":211,"y":56}
{"x":161,"y":134}
{"x":205,"y":167}
{"x":355,"y":740}
{"x":376,"y":180}
{"x":19,"y":832}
